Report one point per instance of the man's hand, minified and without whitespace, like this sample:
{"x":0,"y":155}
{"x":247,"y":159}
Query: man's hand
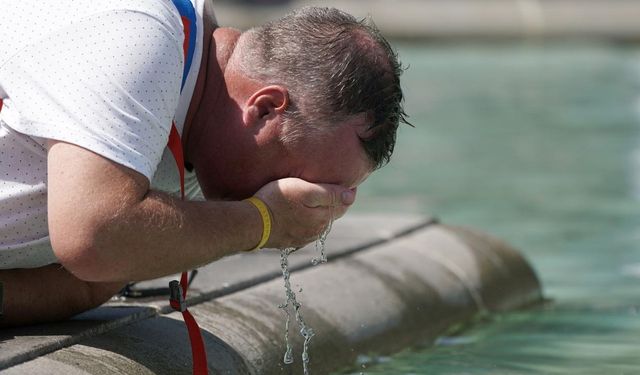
{"x":301,"y":210}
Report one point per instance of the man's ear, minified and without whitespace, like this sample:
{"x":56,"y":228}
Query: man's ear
{"x":265,"y":104}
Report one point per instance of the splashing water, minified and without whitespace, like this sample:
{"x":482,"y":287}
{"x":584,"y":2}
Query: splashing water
{"x":306,"y":331}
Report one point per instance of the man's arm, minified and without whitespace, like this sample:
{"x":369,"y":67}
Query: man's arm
{"x":106,"y":225}
{"x":47,"y":294}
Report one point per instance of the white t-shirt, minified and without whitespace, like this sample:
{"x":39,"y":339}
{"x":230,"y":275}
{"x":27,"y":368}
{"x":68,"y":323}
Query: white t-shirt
{"x":104,"y":75}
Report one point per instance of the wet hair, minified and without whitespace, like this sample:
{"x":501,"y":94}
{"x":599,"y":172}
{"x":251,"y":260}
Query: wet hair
{"x":335,"y":68}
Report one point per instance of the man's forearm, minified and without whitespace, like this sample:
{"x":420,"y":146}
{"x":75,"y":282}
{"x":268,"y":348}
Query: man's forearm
{"x":162,"y":235}
{"x":106,"y":225}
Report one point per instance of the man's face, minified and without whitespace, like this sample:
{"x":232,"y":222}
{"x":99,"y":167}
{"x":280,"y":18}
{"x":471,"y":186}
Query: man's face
{"x":337,"y":158}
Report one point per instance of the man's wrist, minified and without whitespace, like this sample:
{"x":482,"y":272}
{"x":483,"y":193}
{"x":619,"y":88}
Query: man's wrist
{"x":266,"y":220}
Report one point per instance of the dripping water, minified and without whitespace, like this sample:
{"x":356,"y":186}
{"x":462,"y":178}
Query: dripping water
{"x":291,"y":300}
{"x":320,"y":244}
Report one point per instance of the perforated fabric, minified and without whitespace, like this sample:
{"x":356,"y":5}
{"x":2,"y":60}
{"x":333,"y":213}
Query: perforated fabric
{"x":102,"y":75}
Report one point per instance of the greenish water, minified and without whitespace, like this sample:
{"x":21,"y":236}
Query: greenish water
{"x":539,"y":145}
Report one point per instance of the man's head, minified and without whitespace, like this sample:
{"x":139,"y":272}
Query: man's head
{"x":335,"y":67}
{"x":316,"y":87}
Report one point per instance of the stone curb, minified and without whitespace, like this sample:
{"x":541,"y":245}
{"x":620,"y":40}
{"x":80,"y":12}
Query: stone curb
{"x":383,"y":299}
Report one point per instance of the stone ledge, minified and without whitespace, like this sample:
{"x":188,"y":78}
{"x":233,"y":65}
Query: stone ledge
{"x":408,"y":287}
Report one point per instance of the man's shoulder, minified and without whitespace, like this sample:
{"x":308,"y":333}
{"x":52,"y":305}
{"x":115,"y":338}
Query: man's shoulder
{"x":162,"y":11}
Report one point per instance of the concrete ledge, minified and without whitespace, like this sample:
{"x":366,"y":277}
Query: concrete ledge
{"x":408,"y":288}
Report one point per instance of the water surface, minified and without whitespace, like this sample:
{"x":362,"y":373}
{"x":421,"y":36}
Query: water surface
{"x":539,"y":145}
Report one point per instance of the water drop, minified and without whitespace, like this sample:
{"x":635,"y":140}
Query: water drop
{"x":288,"y":356}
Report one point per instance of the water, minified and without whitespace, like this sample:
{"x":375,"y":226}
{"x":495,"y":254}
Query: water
{"x":306,"y":331}
{"x":539,"y":145}
{"x":291,"y":301}
{"x":320,"y":244}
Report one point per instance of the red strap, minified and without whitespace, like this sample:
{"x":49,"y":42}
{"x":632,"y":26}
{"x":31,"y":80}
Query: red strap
{"x":198,"y":352}
{"x":174,"y":144}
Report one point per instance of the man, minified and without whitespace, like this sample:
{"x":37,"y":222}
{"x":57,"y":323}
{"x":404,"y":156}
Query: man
{"x":297,"y":112}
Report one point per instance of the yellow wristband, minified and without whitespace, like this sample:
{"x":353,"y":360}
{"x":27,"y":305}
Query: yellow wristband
{"x":266,"y":220}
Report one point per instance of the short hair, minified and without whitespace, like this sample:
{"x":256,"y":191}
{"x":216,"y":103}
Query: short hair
{"x":335,"y":67}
